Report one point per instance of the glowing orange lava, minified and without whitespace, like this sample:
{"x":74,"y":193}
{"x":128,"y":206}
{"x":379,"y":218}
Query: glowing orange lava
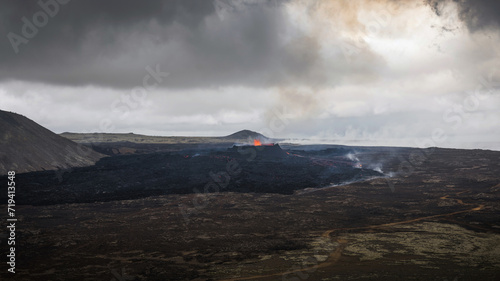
{"x":256,"y":142}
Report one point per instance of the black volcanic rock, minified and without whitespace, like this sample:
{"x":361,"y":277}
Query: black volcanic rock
{"x":26,"y":146}
{"x":267,"y":152}
{"x":259,"y":169}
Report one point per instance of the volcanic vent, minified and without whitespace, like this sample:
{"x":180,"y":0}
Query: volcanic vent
{"x":252,"y":166}
{"x":270,"y":151}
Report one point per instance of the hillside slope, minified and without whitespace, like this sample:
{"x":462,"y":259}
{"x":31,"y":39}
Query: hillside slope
{"x":26,"y":146}
{"x":245,"y":135}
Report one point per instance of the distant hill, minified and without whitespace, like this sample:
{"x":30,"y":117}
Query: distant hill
{"x":26,"y":146}
{"x":241,"y":136}
{"x":245,"y":134}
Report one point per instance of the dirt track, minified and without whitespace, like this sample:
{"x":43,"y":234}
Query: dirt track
{"x":335,"y":255}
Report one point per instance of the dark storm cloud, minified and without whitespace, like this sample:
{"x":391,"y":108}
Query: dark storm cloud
{"x":477,"y":14}
{"x":81,"y":32}
{"x":333,"y":69}
{"x":109,"y":43}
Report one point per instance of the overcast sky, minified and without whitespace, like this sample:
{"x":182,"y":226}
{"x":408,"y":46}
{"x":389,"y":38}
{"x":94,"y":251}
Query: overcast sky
{"x":415,"y":73}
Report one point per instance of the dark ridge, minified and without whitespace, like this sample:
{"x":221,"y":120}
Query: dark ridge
{"x":26,"y":146}
{"x":246,"y":134}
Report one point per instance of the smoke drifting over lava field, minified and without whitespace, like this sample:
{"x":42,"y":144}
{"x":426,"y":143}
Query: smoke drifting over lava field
{"x":266,"y":140}
{"x":246,"y":168}
{"x":242,"y":207}
{"x":218,"y":211}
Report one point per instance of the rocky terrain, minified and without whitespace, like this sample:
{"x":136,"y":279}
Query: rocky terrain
{"x":435,"y":218}
{"x":262,"y":169}
{"x":26,"y":146}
